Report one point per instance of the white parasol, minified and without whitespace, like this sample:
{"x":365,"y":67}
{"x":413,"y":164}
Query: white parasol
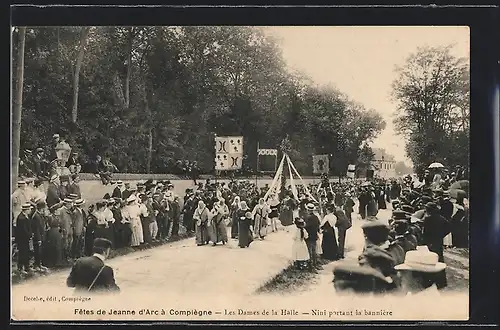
{"x":436,"y":165}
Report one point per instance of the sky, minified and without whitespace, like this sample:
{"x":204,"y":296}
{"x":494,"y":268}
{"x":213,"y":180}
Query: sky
{"x":360,"y":61}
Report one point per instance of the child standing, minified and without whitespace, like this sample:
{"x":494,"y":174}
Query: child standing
{"x":299,"y":247}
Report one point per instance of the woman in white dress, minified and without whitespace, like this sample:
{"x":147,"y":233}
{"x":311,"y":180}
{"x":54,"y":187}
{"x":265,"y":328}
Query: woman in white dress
{"x":300,"y":253}
{"x":132,"y":215}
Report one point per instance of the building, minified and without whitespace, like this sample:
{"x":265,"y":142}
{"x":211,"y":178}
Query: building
{"x":383,"y":164}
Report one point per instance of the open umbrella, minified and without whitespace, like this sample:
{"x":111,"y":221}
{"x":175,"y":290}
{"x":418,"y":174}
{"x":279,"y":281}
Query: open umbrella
{"x":436,"y":165}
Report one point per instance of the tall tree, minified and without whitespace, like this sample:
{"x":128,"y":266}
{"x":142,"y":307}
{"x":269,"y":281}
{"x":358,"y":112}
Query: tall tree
{"x":76,"y":73}
{"x":432,"y":92}
{"x":18,"y":106}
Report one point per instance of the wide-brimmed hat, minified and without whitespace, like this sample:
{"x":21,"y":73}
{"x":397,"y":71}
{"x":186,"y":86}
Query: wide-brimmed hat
{"x":432,"y":206}
{"x":400,"y":215}
{"x":421,"y":260}
{"x":131,"y":199}
{"x":119,"y":182}
{"x":21,"y":182}
{"x":243,"y":206}
{"x":310,"y":207}
{"x":79,"y":202}
{"x":407,"y":208}
{"x":374,"y":223}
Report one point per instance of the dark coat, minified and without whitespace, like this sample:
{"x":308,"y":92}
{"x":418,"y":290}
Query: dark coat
{"x":312,"y":227}
{"x":23,"y":229}
{"x":74,"y":188}
{"x":343,"y":222}
{"x":53,"y":195}
{"x":86,"y":269}
{"x":117,"y":193}
{"x":38,"y":226}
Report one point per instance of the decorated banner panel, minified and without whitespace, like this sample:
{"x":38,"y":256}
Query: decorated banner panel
{"x":235,"y":161}
{"x":268,"y":152}
{"x":235,"y":144}
{"x":321,"y":164}
{"x":228,"y":153}
{"x":221,"y":145}
{"x":267,"y":160}
{"x":351,"y":169}
{"x":222,"y":162}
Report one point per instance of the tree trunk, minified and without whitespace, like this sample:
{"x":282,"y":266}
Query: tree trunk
{"x":18,"y":105}
{"x":129,"y":67}
{"x":150,"y":151}
{"x":76,"y":76}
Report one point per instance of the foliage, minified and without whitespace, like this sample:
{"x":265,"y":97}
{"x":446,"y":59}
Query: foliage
{"x":402,"y":169}
{"x":432,"y":91}
{"x":149,"y":96}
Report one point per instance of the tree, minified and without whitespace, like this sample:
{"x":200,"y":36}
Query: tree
{"x":402,"y":169}
{"x":18,"y":105}
{"x":76,"y":72}
{"x":432,"y":93}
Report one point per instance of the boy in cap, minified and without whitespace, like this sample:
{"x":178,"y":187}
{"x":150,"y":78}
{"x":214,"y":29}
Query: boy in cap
{"x":23,"y":235}
{"x":38,"y":226}
{"x":78,"y":228}
{"x":91,"y":274}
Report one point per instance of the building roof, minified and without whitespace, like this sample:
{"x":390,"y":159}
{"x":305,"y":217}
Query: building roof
{"x":379,"y":153}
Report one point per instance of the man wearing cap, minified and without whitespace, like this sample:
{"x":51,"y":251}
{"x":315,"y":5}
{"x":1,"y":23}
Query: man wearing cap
{"x":65,"y":214}
{"x":63,"y":188}
{"x":78,"y":228}
{"x":20,"y":197}
{"x":312,"y":228}
{"x":38,"y":227}
{"x":435,"y":228}
{"x":117,"y":192}
{"x":23,"y":235}
{"x":74,"y":164}
{"x":91,"y":274}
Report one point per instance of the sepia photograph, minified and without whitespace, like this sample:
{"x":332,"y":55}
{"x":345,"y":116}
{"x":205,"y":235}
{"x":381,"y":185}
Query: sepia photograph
{"x":240,"y":173}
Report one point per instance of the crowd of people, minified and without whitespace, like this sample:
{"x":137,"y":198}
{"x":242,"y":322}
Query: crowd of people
{"x":55,"y":227}
{"x":406,"y":253}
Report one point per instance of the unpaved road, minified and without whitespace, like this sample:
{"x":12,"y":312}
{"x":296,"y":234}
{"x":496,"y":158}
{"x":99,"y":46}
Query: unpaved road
{"x":182,"y":276}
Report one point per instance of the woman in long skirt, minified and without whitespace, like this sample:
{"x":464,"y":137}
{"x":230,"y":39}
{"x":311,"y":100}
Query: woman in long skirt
{"x":201,"y":217}
{"x":259,"y":215}
{"x":245,"y":230}
{"x":234,"y":213}
{"x":52,"y":246}
{"x":219,"y":228}
{"x":329,"y":243}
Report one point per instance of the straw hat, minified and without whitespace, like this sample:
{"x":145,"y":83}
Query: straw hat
{"x":421,"y":260}
{"x":310,"y":207}
{"x":131,"y":199}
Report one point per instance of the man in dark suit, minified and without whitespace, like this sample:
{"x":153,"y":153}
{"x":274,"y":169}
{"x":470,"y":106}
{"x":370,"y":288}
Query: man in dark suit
{"x":91,"y":274}
{"x":38,"y":227}
{"x":23,"y":235}
{"x":117,"y":192}
{"x":343,"y":224}
{"x":312,"y":228}
{"x":73,"y":186}
{"x":53,"y":193}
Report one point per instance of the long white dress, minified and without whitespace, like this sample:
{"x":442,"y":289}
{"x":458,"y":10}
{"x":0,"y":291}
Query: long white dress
{"x":133,"y":216}
{"x":299,"y":247}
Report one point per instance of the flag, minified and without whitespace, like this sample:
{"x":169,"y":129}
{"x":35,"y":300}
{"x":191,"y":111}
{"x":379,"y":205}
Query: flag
{"x":321,"y":164}
{"x":267,"y":152}
{"x":228,"y":153}
{"x":351,"y":169}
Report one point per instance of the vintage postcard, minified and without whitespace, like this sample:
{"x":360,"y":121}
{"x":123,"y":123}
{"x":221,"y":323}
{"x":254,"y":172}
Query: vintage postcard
{"x":229,"y":173}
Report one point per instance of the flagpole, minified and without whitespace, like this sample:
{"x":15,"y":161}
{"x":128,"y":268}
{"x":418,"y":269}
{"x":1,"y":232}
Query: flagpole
{"x":257,"y":171}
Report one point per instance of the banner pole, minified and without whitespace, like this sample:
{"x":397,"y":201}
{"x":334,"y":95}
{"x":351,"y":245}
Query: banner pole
{"x":257,"y":170}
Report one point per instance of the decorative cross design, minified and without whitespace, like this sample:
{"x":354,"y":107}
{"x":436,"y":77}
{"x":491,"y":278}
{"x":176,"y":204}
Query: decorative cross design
{"x":235,"y":161}
{"x":222,"y":146}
